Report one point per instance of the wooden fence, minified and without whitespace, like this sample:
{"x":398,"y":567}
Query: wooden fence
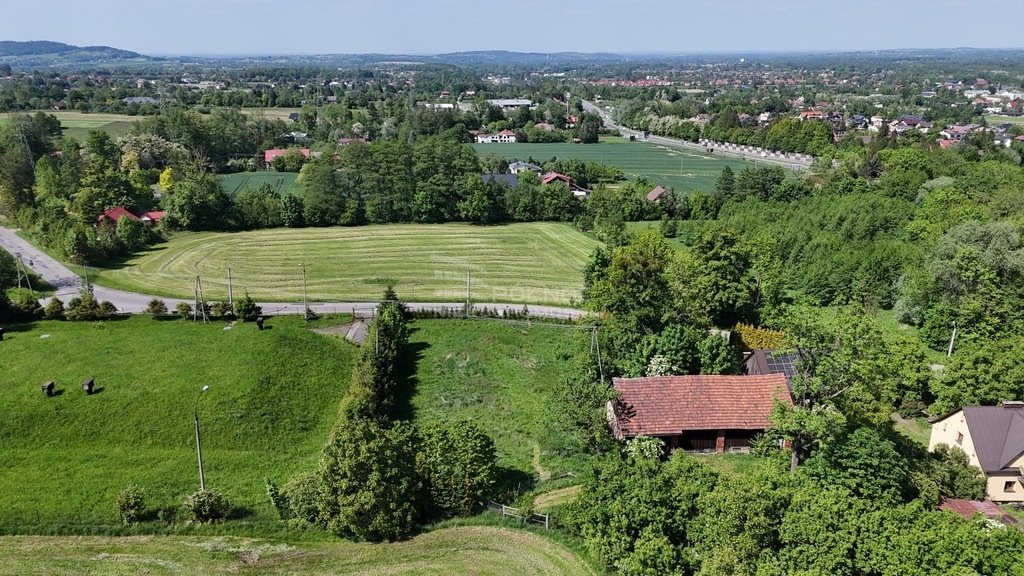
{"x":510,"y":512}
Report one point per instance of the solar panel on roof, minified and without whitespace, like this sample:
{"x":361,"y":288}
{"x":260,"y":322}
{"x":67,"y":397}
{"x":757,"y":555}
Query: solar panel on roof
{"x":785,"y":363}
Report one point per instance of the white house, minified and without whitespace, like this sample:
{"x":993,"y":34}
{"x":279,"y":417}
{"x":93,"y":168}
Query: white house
{"x":503,"y":137}
{"x":993,"y":439}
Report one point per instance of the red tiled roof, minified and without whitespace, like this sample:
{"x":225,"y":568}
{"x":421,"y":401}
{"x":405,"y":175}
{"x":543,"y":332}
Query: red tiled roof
{"x":655,"y":193}
{"x":553,"y":176}
{"x":968,"y":508}
{"x":154,"y":216}
{"x":116,"y":213}
{"x":269,"y":155}
{"x":667,"y":405}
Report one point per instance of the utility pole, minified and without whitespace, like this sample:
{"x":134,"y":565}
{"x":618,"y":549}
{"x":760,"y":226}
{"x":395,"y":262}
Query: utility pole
{"x":305,"y":304}
{"x":199,"y":446}
{"x":952,"y":341}
{"x":85,"y":270}
{"x":231,"y":296}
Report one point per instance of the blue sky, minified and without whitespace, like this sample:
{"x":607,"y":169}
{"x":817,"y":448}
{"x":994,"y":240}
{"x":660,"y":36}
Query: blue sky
{"x":415,"y":26}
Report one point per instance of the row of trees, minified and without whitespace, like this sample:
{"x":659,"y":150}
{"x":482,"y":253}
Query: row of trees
{"x":379,"y":476}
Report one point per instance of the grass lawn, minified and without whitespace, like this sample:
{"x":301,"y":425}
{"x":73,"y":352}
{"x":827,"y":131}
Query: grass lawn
{"x":532,"y":263}
{"x":502,"y":377}
{"x":282,"y":182}
{"x":77,"y":124}
{"x":273,"y":397}
{"x":997,"y":119}
{"x":271,"y":113}
{"x":481,"y":550}
{"x":685,"y":170}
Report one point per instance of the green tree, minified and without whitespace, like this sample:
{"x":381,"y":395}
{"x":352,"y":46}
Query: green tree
{"x":368,"y":476}
{"x":459,"y":466}
{"x":718,"y":280}
{"x":292,"y":209}
{"x":198,"y":203}
{"x":865,"y":463}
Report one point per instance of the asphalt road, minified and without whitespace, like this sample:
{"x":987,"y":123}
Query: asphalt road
{"x":609,"y":122}
{"x":67,"y":285}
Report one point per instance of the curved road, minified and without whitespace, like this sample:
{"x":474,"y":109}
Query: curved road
{"x":68,"y":285}
{"x":609,"y":122}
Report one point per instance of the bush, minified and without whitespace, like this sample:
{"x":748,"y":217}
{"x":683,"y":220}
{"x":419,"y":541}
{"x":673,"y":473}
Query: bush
{"x":85,"y":307}
{"x":459,"y":464}
{"x":207,"y":506}
{"x":107,"y":309}
{"x":303,"y":497}
{"x":54,"y":309}
{"x":156,"y":307}
{"x":221,"y":310}
{"x":184,"y":309}
{"x":277,"y":498}
{"x":131,"y":504}
{"x":167,"y":514}
{"x":247,"y":309}
{"x":26,"y":305}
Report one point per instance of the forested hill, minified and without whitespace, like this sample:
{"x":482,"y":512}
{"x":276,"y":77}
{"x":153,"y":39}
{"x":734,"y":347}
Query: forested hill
{"x":43,"y":53}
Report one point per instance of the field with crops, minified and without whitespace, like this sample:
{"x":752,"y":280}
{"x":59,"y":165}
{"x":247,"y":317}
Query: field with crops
{"x":520,"y":263}
{"x":281,"y":182}
{"x":685,"y":170}
{"x":78,"y":124}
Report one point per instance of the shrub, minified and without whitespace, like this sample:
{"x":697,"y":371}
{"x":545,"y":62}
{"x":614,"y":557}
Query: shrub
{"x":754,"y":338}
{"x":247,"y":309}
{"x":156,"y":307}
{"x":207,"y":506}
{"x":221,"y":310}
{"x":131,"y":504}
{"x":303,"y":496}
{"x":25,"y":305}
{"x":459,"y":464}
{"x":277,"y":498}
{"x":167,"y":514}
{"x":85,"y":307}
{"x":184,"y":309}
{"x":54,"y":309}
{"x":107,"y":309}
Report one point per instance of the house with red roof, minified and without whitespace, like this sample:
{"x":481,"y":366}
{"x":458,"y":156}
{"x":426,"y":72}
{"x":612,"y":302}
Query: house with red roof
{"x":696,"y":413}
{"x":269,"y":155}
{"x":114,"y":214}
{"x":552,"y":177}
{"x":153,"y":217}
{"x":656,"y":193}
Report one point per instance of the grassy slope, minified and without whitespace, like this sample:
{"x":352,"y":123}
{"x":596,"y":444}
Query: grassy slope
{"x":461,"y":550}
{"x":272,"y":400}
{"x":500,"y":376}
{"x":536,"y":263}
{"x":685,"y":170}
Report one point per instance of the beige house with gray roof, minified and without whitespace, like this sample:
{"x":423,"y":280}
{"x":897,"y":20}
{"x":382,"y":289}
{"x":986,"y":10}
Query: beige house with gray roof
{"x":993,"y":439}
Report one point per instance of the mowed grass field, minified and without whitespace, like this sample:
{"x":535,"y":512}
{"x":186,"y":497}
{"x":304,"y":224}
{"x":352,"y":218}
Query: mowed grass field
{"x":503,"y":377}
{"x":78,"y":124}
{"x":520,"y":263}
{"x":281,"y":182}
{"x":478,"y":550}
{"x":272,"y":400}
{"x":684,"y":170}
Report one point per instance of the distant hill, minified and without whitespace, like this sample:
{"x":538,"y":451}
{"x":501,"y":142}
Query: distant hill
{"x":46,"y":54}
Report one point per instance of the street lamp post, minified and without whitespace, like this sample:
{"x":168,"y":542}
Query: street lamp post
{"x":199,"y":446}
